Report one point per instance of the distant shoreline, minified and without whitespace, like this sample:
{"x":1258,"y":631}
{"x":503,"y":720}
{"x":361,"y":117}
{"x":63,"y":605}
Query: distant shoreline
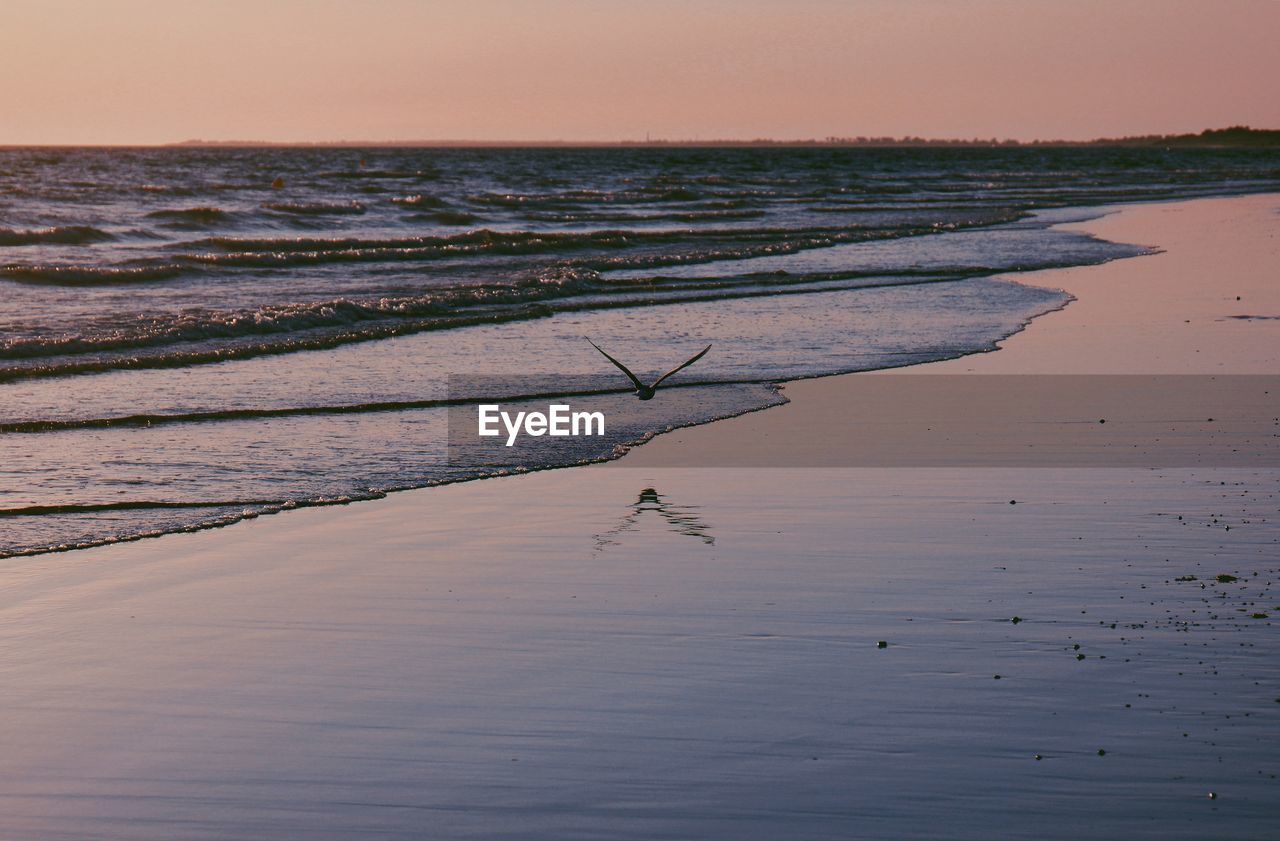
{"x":1235,"y":137}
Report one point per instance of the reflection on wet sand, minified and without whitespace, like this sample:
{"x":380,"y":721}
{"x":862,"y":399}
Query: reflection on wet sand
{"x":680,"y":519}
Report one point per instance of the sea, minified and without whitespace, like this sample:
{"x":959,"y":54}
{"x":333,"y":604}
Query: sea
{"x":194,"y":336}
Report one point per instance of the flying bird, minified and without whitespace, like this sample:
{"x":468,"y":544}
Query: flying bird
{"x":646,"y":392}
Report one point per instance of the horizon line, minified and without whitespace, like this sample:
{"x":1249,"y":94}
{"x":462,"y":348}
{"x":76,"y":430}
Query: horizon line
{"x":1236,"y":133}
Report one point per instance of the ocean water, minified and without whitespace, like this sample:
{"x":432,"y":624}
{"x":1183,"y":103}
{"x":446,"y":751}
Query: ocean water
{"x":184,"y":344}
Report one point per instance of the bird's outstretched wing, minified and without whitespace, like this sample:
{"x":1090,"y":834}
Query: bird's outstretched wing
{"x":681,"y":367}
{"x":621,"y":367}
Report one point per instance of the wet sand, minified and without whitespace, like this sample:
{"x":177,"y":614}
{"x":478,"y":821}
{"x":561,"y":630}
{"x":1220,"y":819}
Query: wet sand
{"x":638,"y":651}
{"x":1207,"y":305}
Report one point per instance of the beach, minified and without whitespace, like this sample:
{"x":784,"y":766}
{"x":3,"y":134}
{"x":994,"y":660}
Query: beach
{"x":746,"y":629}
{"x":1202,"y":308}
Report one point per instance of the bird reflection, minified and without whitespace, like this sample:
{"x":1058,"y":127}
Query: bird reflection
{"x":680,"y":519}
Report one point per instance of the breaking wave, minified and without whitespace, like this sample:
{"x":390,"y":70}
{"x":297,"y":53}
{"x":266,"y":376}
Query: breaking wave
{"x":89,"y":275}
{"x":203,"y":215}
{"x":58,"y":235}
{"x":350,"y":208}
{"x":419,"y":200}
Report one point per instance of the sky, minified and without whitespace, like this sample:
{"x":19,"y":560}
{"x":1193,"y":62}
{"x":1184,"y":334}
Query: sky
{"x":158,"y":71}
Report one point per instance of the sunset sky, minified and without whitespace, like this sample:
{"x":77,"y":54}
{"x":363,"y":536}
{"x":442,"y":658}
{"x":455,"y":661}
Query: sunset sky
{"x":155,"y":71}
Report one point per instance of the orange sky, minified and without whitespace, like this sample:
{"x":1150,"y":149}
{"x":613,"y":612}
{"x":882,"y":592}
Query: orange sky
{"x":154,"y":71}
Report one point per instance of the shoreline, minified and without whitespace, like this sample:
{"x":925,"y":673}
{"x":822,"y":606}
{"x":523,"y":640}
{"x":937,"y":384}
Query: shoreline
{"x":688,"y":652}
{"x":265,"y":506}
{"x":829,"y":401}
{"x":1112,"y":325}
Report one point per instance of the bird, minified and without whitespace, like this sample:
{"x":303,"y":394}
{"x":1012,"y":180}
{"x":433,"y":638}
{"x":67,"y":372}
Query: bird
{"x":646,"y":392}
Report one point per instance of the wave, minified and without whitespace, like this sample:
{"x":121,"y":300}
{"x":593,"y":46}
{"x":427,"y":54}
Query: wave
{"x":418,"y":174}
{"x":609,"y":237}
{"x":576,"y":387}
{"x":139,"y":505}
{"x":570,"y":217}
{"x":171,"y":189}
{"x":160,"y":419}
{"x":273,"y":253}
{"x":419,"y":200}
{"x":696,"y":244}
{"x":220,"y":514}
{"x":192,"y":217}
{"x":327,"y":340}
{"x":578,"y":197}
{"x":448,"y":217}
{"x":483,"y":237}
{"x":326,"y":326}
{"x":351,"y":208}
{"x":196,"y":326}
{"x":58,"y":235}
{"x":90,"y":275}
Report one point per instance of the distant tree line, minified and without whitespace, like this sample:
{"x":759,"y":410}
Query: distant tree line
{"x":1232,"y":137}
